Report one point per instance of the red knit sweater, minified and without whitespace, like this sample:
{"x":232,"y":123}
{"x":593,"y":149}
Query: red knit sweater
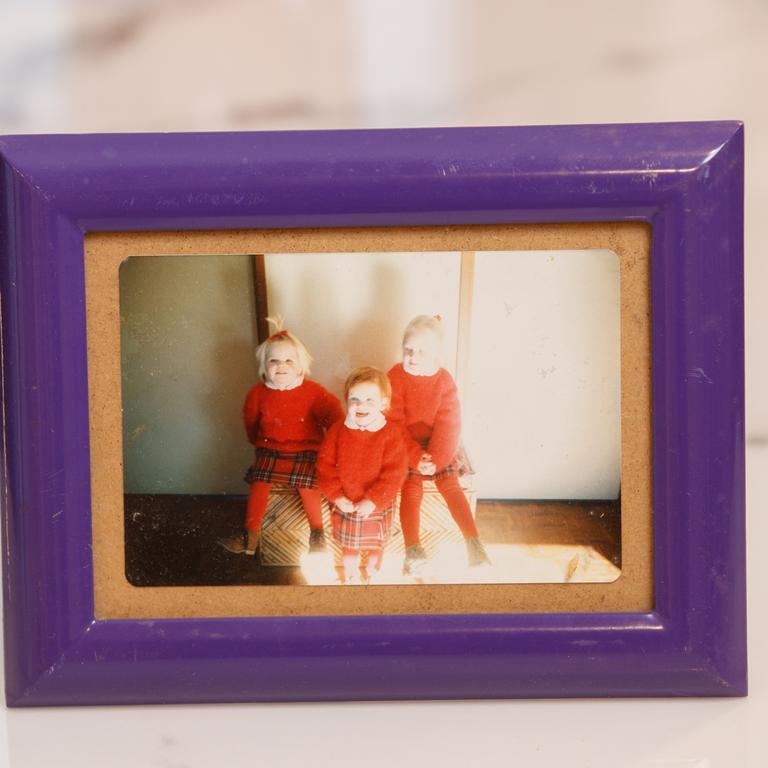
{"x":428,"y":408}
{"x":362,"y":465}
{"x":291,"y":419}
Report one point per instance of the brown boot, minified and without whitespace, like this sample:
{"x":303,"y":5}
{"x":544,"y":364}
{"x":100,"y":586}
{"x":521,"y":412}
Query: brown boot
{"x":415,"y":560}
{"x":317,"y":541}
{"x":245,"y":544}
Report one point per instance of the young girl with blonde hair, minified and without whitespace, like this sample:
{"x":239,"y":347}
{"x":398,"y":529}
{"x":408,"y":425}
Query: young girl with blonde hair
{"x":425,"y":402}
{"x":286,"y":416}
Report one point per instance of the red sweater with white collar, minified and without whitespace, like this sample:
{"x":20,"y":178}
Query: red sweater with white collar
{"x":362,"y":465}
{"x":291,"y":419}
{"x":428,"y":407}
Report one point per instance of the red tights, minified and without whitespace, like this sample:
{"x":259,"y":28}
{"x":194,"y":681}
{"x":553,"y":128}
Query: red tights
{"x":450,"y":489}
{"x":257,"y":506}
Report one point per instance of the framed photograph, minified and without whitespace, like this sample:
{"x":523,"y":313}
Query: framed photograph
{"x":385,"y":414}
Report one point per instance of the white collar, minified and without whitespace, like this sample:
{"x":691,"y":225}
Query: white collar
{"x":374,"y":426}
{"x":427,"y":373}
{"x":299,"y":381}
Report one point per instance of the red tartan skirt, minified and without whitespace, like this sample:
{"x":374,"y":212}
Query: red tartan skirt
{"x":444,"y":472}
{"x":459,"y":465}
{"x":297,"y":468}
{"x":354,"y":532}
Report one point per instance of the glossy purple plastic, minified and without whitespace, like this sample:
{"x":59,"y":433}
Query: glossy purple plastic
{"x":685,"y":179}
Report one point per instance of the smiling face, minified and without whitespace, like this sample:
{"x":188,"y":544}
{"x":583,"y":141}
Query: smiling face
{"x":282,"y":365}
{"x":421,"y":353}
{"x":365,"y":403}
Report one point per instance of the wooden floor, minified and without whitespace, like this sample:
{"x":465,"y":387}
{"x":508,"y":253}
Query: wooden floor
{"x":171,"y":540}
{"x":595,"y":524}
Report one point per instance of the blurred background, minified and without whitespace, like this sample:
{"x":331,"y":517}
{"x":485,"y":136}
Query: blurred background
{"x":199,"y":65}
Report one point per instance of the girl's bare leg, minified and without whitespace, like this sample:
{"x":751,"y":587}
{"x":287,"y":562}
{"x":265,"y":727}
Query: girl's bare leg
{"x":375,"y":559}
{"x":350,"y":558}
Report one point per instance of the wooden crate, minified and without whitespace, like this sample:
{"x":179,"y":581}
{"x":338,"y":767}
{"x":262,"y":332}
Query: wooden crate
{"x":285,"y":531}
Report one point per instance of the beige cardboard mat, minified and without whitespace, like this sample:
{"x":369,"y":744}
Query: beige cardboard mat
{"x":115,"y":597}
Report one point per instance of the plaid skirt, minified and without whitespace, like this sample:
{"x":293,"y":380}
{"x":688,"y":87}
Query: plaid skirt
{"x":354,"y":532}
{"x":459,"y":465}
{"x":444,"y":472}
{"x":297,"y":469}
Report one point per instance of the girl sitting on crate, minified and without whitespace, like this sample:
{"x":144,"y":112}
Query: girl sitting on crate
{"x":426,"y":403}
{"x":286,"y":417}
{"x":360,"y":468}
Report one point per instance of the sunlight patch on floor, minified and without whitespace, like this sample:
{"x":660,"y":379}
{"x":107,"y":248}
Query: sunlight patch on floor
{"x":510,"y":564}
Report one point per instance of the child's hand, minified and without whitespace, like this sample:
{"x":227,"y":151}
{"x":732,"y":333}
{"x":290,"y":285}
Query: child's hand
{"x":345,"y":505}
{"x":365,"y":508}
{"x":426,"y":467}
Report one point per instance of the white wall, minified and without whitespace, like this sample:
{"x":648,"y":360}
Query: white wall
{"x":350,"y":309}
{"x":544,"y":344}
{"x":542,"y":410}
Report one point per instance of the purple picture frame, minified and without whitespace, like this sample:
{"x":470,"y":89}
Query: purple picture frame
{"x":684,"y":179}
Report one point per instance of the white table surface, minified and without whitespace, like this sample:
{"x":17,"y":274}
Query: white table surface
{"x":630,"y":733}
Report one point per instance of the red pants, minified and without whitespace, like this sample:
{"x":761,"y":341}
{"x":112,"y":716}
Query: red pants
{"x":257,"y":506}
{"x":450,"y":489}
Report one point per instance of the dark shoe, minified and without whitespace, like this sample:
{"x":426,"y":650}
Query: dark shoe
{"x":245,"y":544}
{"x":415,"y":560}
{"x":476,"y":554}
{"x":317,"y":541}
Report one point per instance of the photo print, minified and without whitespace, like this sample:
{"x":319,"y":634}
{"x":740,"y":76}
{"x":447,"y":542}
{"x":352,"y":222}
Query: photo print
{"x":497,"y":461}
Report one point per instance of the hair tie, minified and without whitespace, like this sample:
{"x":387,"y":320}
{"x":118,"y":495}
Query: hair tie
{"x":278,"y":335}
{"x":438,"y":318}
